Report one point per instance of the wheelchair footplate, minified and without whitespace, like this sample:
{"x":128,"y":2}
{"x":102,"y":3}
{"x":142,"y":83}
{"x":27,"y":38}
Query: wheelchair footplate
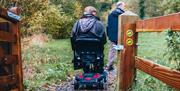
{"x":90,"y":81}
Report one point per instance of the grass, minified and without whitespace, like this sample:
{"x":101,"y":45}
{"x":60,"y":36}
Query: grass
{"x":51,"y":64}
{"x":152,"y":46}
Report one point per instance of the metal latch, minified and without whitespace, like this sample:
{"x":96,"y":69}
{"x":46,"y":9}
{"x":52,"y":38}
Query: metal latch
{"x":14,"y":16}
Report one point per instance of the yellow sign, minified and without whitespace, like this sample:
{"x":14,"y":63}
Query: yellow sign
{"x":129,"y":33}
{"x":129,"y":42}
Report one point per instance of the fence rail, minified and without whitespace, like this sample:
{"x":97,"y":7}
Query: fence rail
{"x":165,"y":74}
{"x":159,"y":24}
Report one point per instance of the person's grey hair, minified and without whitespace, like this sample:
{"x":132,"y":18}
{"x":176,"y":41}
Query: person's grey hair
{"x":89,"y":10}
{"x":120,"y":4}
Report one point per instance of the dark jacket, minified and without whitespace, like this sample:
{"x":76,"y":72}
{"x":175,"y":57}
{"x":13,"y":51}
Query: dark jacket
{"x":88,"y":26}
{"x":112,"y":25}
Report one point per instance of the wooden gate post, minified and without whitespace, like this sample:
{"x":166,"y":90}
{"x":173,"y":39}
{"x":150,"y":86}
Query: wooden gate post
{"x":126,"y":57}
{"x":16,"y":50}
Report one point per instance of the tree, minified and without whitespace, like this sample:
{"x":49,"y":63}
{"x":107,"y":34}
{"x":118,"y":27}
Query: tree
{"x":8,"y":3}
{"x":88,"y":3}
{"x":114,"y":1}
{"x":132,"y":5}
{"x":49,"y":16}
{"x":28,"y":10}
{"x":153,"y":8}
{"x":170,"y":6}
{"x":142,"y":9}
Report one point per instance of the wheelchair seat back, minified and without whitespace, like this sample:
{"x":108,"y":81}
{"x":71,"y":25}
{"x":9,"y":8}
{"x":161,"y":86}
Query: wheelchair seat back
{"x":88,"y":52}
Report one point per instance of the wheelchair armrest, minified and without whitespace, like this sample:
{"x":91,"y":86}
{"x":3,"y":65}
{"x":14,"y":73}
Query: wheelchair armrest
{"x":72,"y":43}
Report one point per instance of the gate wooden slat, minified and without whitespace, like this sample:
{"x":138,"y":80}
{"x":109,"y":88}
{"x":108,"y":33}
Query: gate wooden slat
{"x":7,"y":36}
{"x":10,"y":79}
{"x":5,"y":26}
{"x":159,"y":24}
{"x":16,"y":50}
{"x":3,"y":12}
{"x":165,"y":74}
{"x":8,"y":59}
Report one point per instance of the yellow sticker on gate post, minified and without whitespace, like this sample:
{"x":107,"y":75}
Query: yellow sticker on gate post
{"x":129,"y":33}
{"x":129,"y":42}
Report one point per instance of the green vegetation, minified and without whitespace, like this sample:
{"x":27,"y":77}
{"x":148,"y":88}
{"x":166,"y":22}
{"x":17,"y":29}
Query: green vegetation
{"x":152,"y":46}
{"x":47,"y":65}
{"x":142,"y":8}
{"x":173,"y":44}
{"x":153,"y":8}
{"x":50,"y":17}
{"x":56,"y":17}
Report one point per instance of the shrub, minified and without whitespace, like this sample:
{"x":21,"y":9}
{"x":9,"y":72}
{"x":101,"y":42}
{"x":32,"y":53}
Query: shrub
{"x":57,"y":23}
{"x":173,"y":46}
{"x":54,"y":20}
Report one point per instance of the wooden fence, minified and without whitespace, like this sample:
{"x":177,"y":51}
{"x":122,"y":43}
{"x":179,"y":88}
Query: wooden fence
{"x":130,"y":25}
{"x":11,"y":78}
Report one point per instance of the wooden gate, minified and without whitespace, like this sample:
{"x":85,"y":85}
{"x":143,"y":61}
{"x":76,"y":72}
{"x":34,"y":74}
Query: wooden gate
{"x":11,"y":78}
{"x":130,"y":26}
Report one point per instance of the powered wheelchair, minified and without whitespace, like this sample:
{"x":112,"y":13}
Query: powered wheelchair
{"x":88,"y":55}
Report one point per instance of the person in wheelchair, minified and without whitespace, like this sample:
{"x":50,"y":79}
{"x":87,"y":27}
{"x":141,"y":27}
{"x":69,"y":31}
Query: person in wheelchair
{"x":87,"y":39}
